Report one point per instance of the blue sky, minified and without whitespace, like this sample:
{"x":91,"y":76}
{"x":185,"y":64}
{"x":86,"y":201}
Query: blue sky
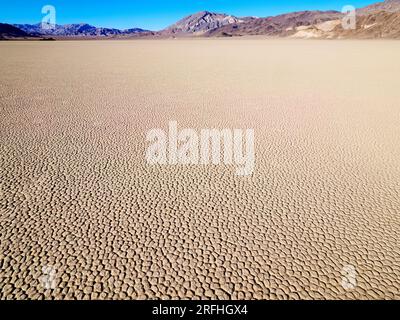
{"x":154,"y":14}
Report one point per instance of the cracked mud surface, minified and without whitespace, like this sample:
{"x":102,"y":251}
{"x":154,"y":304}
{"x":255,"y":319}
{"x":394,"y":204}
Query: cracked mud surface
{"x":77,"y":197}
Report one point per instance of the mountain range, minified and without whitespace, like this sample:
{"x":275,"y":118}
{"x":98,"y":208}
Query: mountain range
{"x":76,"y":30}
{"x":8,"y":31}
{"x":379,"y":20}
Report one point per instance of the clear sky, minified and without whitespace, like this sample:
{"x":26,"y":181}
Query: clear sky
{"x":155,"y":14}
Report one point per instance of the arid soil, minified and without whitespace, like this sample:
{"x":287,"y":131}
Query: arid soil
{"x":82,"y":215}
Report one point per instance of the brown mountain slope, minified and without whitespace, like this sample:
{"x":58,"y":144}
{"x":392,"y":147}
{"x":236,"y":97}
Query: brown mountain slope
{"x":388,"y":5}
{"x":381,"y":24}
{"x":276,"y":26}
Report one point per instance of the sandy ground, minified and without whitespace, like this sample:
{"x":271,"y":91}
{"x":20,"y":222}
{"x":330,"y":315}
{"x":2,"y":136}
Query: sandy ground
{"x":84,"y":216}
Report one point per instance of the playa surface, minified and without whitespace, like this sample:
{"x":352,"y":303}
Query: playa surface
{"x":82,"y":215}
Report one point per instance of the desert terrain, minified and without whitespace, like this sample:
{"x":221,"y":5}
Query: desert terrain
{"x":79,"y":203}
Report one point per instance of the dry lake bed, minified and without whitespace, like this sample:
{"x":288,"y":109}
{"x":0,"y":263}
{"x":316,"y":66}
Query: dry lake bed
{"x":84,"y":215}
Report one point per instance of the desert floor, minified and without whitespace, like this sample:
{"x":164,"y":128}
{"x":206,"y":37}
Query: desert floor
{"x":84,"y":216}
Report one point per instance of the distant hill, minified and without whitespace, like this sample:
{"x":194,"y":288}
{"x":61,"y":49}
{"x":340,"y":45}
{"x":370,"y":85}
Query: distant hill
{"x":8,"y":31}
{"x":77,"y":30}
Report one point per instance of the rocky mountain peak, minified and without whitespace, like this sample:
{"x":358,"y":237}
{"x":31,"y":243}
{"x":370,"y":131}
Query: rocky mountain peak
{"x":201,"y":22}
